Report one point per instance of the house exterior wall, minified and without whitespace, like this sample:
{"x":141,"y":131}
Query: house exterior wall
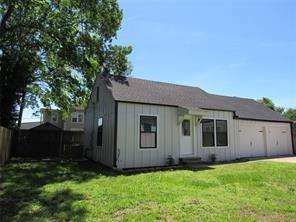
{"x":47,"y":117}
{"x":105,"y":108}
{"x":69,"y":125}
{"x":222,"y":153}
{"x":128,"y":153}
{"x":63,"y":124}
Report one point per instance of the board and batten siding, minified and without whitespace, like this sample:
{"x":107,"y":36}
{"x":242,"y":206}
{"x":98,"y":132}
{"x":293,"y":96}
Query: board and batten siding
{"x":129,"y":155}
{"x":222,"y":153}
{"x":105,"y":108}
{"x":272,"y":133}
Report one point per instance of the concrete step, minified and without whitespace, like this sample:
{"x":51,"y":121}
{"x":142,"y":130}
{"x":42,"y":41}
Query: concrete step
{"x":190,"y":160}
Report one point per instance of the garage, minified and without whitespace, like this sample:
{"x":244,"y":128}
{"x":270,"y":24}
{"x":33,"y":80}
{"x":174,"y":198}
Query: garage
{"x":278,"y":140}
{"x":264,"y":139}
{"x":252,"y":140}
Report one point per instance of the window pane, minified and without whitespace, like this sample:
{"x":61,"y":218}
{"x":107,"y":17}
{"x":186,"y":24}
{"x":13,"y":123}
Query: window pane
{"x":100,"y":132}
{"x":221,"y":133}
{"x":80,"y":117}
{"x":186,"y":127}
{"x":208,"y":132}
{"x":148,"y":123}
{"x":148,"y":130}
{"x":148,"y":140}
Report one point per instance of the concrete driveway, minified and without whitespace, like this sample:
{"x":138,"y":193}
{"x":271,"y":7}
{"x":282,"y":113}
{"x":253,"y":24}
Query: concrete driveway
{"x":283,"y":159}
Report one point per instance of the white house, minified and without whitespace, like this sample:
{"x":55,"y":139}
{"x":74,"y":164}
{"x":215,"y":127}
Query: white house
{"x":132,"y":123}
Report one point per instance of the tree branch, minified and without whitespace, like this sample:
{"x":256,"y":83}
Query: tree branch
{"x":5,"y":18}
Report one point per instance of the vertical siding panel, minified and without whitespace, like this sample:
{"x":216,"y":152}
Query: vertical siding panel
{"x":138,"y":153}
{"x":175,"y":135}
{"x":130,"y":135}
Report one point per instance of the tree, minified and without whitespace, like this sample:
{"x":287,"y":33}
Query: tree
{"x":270,"y":104}
{"x":267,"y":102}
{"x":290,"y":114}
{"x":52,"y":50}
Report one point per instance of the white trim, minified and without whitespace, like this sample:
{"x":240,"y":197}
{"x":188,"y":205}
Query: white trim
{"x":215,"y":144}
{"x":157,"y":132}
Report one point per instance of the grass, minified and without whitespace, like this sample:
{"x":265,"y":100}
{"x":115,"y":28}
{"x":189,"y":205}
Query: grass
{"x":84,"y":191}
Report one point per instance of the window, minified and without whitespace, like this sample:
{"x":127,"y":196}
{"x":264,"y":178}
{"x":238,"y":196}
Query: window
{"x":210,"y":129}
{"x":208,"y":133}
{"x":148,"y":132}
{"x":100,"y":132}
{"x":77,"y":117}
{"x":98,"y":94}
{"x":54,"y":117}
{"x":221,"y":133}
{"x":186,"y":127}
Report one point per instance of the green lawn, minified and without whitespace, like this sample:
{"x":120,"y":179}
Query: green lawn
{"x":68,"y":191}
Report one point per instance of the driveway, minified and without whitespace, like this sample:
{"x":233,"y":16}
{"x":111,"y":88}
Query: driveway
{"x":283,"y":159}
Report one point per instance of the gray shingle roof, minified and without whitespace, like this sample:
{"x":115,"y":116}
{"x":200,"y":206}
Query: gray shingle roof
{"x":152,"y":92}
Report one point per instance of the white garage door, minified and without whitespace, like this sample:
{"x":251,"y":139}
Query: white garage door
{"x":278,"y":140}
{"x":252,"y":141}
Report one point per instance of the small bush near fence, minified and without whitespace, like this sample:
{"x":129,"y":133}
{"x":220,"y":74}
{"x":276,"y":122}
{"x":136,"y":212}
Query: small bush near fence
{"x":5,"y":143}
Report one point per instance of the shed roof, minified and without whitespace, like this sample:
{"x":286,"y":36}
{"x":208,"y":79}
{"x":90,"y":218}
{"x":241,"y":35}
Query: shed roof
{"x":146,"y":91}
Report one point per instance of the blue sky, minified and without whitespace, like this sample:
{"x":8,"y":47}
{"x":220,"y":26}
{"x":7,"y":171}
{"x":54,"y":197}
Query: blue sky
{"x":243,"y":48}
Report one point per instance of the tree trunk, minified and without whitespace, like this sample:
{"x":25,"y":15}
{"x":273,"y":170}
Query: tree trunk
{"x":22,"y":106}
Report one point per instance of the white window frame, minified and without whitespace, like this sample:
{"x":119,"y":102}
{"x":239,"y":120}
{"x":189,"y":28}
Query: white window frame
{"x":139,"y":133}
{"x":77,"y":113}
{"x":215,"y":136}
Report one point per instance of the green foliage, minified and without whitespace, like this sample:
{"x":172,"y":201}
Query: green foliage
{"x":60,"y":46}
{"x":289,"y":113}
{"x":267,"y":102}
{"x":84,"y":191}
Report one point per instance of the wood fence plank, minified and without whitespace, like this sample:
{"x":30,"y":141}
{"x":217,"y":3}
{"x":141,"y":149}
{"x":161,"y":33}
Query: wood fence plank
{"x":5,"y":144}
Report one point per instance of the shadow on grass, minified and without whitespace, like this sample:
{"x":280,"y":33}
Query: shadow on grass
{"x":22,"y":197}
{"x":22,"y":194}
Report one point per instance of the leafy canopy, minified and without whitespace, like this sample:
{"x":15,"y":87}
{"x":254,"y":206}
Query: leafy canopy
{"x":53,"y":49}
{"x":289,"y":113}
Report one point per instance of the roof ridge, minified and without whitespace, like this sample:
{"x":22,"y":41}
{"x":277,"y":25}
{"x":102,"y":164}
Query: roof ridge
{"x":166,"y":83}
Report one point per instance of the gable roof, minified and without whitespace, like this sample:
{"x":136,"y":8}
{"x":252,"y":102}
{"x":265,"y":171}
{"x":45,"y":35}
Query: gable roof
{"x":47,"y":126}
{"x":136,"y":90}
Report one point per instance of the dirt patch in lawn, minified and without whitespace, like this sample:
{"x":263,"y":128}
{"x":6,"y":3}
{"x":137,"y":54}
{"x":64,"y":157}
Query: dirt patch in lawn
{"x":135,"y":210}
{"x":265,"y":216}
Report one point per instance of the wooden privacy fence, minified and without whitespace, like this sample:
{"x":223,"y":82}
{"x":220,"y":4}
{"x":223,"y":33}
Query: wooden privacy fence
{"x":5,"y":143}
{"x":48,"y":143}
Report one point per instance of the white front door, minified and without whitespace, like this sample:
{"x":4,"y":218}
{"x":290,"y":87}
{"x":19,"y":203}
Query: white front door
{"x":186,"y":137}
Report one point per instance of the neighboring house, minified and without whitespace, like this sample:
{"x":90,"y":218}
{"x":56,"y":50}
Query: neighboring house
{"x":74,"y":123}
{"x":132,"y":123}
